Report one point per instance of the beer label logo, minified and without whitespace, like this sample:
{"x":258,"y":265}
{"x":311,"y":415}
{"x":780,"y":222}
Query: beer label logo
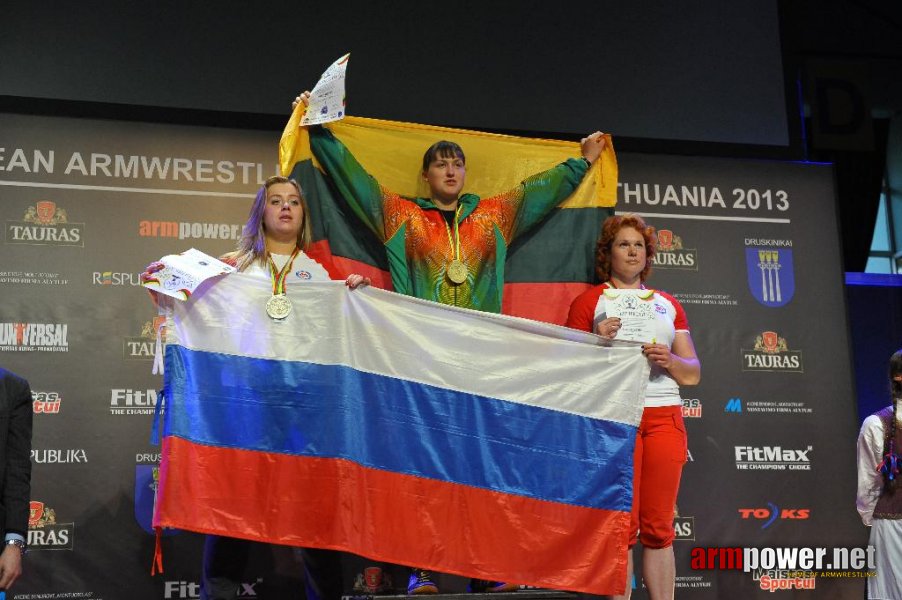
{"x":771,"y":353}
{"x":373,"y":580}
{"x":143,"y":347}
{"x":770,"y":275}
{"x":45,"y":224}
{"x":670,"y":253}
{"x":44,"y":533}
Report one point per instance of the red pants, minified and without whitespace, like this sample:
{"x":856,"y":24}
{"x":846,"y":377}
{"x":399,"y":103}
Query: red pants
{"x":657,"y":465}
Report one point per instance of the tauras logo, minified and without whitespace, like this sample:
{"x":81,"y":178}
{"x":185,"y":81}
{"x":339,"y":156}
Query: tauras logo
{"x":670,"y":253}
{"x":45,"y":224}
{"x":59,"y":456}
{"x":44,"y":533}
{"x":771,"y":353}
{"x":773,"y":458}
{"x":41,"y":337}
{"x":143,"y":347}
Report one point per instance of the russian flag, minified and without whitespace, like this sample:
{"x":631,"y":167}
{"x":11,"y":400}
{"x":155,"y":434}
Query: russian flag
{"x":401,"y":430}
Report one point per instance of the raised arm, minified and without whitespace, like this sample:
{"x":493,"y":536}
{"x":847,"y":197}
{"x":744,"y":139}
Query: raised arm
{"x":537,"y":195}
{"x":359,"y":189}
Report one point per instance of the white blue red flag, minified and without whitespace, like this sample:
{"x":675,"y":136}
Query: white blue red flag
{"x":401,"y":430}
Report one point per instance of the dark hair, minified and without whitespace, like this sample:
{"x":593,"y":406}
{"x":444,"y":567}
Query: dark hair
{"x":445,"y":149}
{"x":889,"y":441}
{"x":609,"y":230}
{"x":895,"y":370}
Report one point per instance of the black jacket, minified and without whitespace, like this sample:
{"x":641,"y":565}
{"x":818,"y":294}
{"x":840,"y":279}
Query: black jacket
{"x":15,"y":453}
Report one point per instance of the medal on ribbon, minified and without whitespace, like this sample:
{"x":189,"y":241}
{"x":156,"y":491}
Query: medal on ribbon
{"x":279,"y":306}
{"x":456,"y":271}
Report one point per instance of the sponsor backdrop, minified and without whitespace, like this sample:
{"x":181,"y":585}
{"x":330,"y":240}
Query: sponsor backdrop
{"x":750,"y":249}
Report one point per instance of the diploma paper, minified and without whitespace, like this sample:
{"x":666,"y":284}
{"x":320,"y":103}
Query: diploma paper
{"x":327,"y":100}
{"x":182,"y":273}
{"x":636,"y":310}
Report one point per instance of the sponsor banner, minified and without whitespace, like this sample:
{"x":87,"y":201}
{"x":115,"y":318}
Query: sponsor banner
{"x":128,"y":401}
{"x":54,"y":456}
{"x":670,"y":253}
{"x":772,"y":513}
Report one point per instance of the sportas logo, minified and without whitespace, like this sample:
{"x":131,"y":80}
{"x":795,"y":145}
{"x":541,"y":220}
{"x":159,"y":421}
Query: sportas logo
{"x":45,"y":224}
{"x":46,"y":403}
{"x":692,"y":408}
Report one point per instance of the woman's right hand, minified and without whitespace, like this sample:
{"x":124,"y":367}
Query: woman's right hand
{"x":149,"y":270}
{"x":608,"y":328}
{"x":302,"y":97}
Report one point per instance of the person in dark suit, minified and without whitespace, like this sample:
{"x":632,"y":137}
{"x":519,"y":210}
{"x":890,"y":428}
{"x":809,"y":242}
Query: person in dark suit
{"x":15,"y":473}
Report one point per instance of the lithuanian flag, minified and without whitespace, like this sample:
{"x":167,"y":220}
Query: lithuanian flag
{"x":546,"y":267}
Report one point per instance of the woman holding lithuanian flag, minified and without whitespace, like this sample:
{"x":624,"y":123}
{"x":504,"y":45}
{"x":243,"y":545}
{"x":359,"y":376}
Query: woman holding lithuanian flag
{"x":449,"y":247}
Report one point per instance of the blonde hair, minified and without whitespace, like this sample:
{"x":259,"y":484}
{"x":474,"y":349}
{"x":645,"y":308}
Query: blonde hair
{"x":252,"y":244}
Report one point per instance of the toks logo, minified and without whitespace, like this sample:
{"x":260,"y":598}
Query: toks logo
{"x":45,"y":402}
{"x":44,"y":533}
{"x":45,"y":224}
{"x":34,"y":337}
{"x":771,"y":353}
{"x":670,"y":254}
{"x":772,"y":513}
{"x":144,"y":346}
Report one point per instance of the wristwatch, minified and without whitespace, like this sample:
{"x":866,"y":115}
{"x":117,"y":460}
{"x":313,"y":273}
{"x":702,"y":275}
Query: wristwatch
{"x":22,"y":546}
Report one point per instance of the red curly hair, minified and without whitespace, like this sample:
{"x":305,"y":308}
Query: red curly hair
{"x":609,"y":230}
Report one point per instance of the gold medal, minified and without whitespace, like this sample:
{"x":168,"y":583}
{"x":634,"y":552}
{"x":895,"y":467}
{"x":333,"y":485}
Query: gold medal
{"x":278,"y":307}
{"x":457,"y":272}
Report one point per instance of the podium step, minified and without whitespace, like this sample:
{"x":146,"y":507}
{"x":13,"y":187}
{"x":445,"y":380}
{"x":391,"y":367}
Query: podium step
{"x":518,"y":595}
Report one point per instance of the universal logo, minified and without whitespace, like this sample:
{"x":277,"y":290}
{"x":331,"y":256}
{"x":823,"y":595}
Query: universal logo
{"x":771,"y":353}
{"x":44,"y":533}
{"x":670,"y":253}
{"x":34,"y":337}
{"x":45,"y":224}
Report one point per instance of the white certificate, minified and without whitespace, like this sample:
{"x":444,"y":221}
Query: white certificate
{"x":182,"y":273}
{"x":327,"y":100}
{"x":636,"y":310}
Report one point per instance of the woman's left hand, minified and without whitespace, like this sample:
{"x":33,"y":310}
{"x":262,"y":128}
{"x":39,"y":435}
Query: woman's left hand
{"x":354,"y":281}
{"x":658,"y":354}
